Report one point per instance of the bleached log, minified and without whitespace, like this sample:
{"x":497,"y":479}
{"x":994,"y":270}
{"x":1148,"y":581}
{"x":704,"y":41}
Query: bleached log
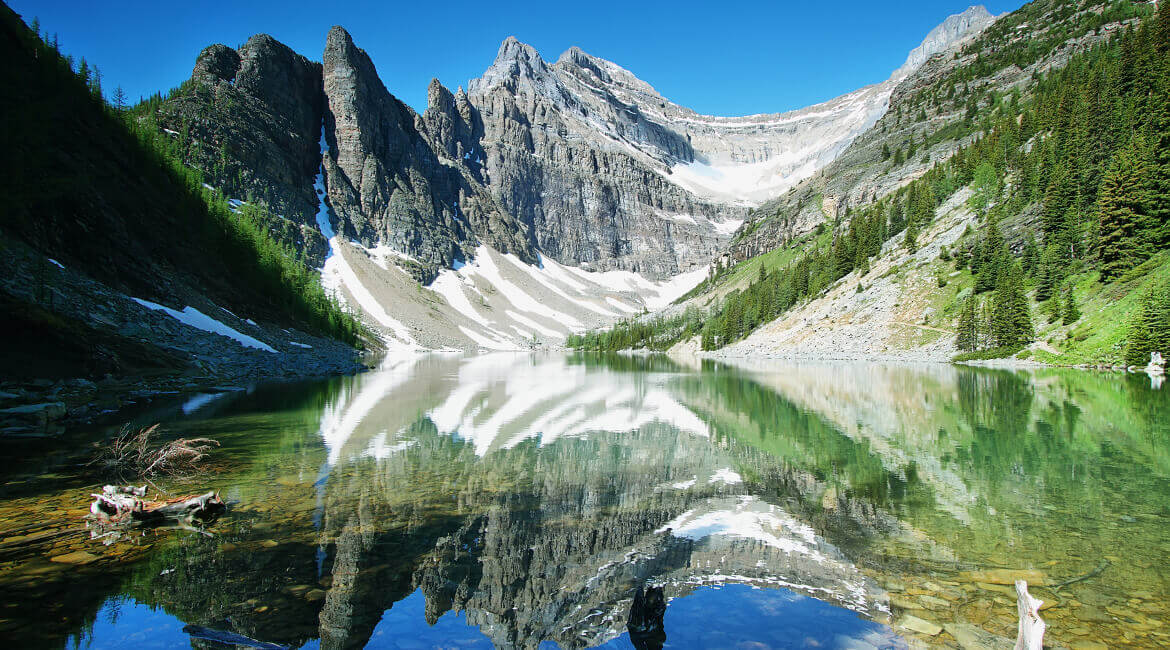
{"x":193,"y":507}
{"x":119,"y":504}
{"x":1030,"y":634}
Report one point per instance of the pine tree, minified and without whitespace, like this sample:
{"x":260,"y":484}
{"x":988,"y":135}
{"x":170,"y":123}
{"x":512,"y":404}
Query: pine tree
{"x":1138,"y":346}
{"x":967,"y":338}
{"x":1159,"y":322}
{"x":118,"y":101}
{"x":1049,"y":273}
{"x":1058,"y":198}
{"x":1123,"y":202}
{"x":1159,"y":235}
{"x":886,"y":152}
{"x":984,"y":189}
{"x":1053,"y":309}
{"x":1031,"y":256}
{"x":912,"y":235}
{"x":1071,"y":312}
{"x":1012,"y":321}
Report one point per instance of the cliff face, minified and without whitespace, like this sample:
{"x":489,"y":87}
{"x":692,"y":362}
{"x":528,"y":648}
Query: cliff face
{"x":587,"y":177}
{"x":255,"y":122}
{"x":386,"y":184}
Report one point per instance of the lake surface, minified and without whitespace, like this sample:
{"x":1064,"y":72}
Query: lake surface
{"x":515,"y":500}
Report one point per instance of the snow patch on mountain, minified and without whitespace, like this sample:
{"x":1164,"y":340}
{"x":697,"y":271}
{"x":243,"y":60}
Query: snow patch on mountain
{"x":197,"y":319}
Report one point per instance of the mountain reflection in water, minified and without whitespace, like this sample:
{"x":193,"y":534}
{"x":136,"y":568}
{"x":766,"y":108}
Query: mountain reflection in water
{"x":518,"y":500}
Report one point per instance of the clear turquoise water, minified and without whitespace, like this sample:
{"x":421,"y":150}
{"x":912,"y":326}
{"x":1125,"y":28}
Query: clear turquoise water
{"x":518,"y":500}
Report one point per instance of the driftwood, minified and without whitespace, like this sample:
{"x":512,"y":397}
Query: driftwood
{"x":126,"y":506}
{"x":1030,"y":633}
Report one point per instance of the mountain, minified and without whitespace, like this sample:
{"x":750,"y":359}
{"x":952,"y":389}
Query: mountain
{"x":726,"y":160}
{"x":612,"y":199}
{"x":387,"y":186}
{"x":1012,"y":202}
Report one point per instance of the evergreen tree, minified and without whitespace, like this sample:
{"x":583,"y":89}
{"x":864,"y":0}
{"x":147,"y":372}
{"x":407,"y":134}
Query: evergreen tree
{"x":1071,"y":312}
{"x":967,"y":338}
{"x":1159,"y":322}
{"x":1054,"y":309}
{"x":1058,"y":198}
{"x":1031,"y":257}
{"x":1138,"y":346}
{"x":1159,"y":169}
{"x":912,"y":235}
{"x":984,"y":189}
{"x":1123,"y":203}
{"x":1011,"y":320}
{"x":118,"y":101}
{"x":1049,"y":274}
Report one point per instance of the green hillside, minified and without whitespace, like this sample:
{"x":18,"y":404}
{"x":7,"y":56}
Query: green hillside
{"x":87,"y":186}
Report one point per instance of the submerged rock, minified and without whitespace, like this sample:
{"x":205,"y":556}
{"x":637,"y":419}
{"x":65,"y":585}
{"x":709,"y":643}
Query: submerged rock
{"x":915,"y":624}
{"x":76,"y":557}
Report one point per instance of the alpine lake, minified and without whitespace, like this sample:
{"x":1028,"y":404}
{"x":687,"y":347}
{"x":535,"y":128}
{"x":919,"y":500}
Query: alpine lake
{"x":520,"y":500}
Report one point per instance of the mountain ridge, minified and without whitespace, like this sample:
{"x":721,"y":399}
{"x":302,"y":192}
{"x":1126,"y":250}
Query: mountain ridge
{"x":577,"y":162}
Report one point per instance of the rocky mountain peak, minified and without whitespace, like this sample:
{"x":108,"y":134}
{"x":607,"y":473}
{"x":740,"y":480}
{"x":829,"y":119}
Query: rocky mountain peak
{"x":438,"y":97}
{"x":576,"y":56}
{"x":338,"y":39}
{"x":514,"y":50}
{"x":288,"y":82}
{"x":952,"y":30}
{"x":217,"y":62}
{"x":514,"y":61}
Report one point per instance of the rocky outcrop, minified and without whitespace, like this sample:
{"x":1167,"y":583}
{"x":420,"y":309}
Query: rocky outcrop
{"x":250,"y":120}
{"x":386,"y":184}
{"x":454,"y":127}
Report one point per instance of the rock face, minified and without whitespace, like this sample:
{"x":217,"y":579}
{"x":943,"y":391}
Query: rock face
{"x":385,"y":182}
{"x":587,"y":172}
{"x":250,"y":121}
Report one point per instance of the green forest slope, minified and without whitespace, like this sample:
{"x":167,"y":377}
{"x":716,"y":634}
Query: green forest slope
{"x":87,"y":187}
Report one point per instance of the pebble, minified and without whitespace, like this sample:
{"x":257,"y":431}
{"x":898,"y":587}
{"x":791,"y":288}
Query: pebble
{"x":971,"y":637}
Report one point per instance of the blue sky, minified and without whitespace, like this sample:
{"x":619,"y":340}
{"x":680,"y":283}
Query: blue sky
{"x":722,"y":58}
